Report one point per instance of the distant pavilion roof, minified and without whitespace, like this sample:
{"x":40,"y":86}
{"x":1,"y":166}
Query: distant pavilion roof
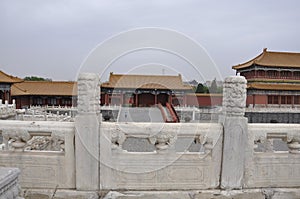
{"x":5,"y":78}
{"x":45,"y":88}
{"x":145,"y":82}
{"x":273,"y":59}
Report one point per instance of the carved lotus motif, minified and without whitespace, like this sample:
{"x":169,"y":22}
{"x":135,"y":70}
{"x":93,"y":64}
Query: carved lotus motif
{"x":293,"y":144}
{"x":117,"y":138}
{"x":163,"y":140}
{"x":205,"y":141}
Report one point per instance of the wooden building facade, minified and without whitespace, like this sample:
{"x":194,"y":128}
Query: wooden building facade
{"x":144,"y":90}
{"x":6,"y":82}
{"x":52,"y":93}
{"x":273,"y":79}
{"x":125,"y":90}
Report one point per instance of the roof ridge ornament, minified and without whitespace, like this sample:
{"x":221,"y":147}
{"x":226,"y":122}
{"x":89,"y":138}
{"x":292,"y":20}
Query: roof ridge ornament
{"x":265,"y":50}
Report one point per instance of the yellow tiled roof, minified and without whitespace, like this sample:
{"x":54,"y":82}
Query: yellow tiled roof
{"x":265,"y":86}
{"x":206,"y":94}
{"x":145,"y":82}
{"x":273,"y":59}
{"x":5,"y":78}
{"x":49,"y":88}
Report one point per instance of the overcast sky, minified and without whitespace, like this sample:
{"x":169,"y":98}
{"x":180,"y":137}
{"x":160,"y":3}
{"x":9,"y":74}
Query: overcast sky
{"x":52,"y":38}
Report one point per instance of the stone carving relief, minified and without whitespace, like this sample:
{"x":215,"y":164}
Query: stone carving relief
{"x":234,"y":96}
{"x":265,"y":143}
{"x":22,"y":140}
{"x":88,"y":93}
{"x":206,"y":142}
{"x":163,"y":140}
{"x":117,"y":139}
{"x":293,"y":143}
{"x":15,"y":139}
{"x":46,"y":143}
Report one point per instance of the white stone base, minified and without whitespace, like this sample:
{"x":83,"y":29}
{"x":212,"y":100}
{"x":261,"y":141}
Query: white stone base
{"x":278,"y":193}
{"x":58,"y":194}
{"x":208,"y":194}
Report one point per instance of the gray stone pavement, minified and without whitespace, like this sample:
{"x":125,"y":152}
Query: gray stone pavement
{"x":145,"y":114}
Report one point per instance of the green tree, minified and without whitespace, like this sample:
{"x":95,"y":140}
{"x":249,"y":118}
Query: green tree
{"x":201,"y":89}
{"x":35,"y":78}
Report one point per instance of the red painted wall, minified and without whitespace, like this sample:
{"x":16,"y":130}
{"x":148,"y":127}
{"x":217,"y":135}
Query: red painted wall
{"x":204,"y":100}
{"x":145,"y":99}
{"x":21,"y":101}
{"x":249,"y":99}
{"x":260,"y":99}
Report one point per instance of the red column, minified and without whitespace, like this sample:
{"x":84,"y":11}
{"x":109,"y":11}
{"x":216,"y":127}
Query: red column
{"x":105,"y":99}
{"x":155,"y":98}
{"x":122,"y":98}
{"x":136,"y":100}
{"x":170,"y":99}
{"x":9,"y":97}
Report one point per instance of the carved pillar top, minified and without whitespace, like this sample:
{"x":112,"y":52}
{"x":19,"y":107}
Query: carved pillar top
{"x":234,"y":96}
{"x":88,"y":93}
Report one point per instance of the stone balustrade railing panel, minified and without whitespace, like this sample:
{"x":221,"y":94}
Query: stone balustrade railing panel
{"x":172,"y":164}
{"x":44,"y":152}
{"x":272,"y":156}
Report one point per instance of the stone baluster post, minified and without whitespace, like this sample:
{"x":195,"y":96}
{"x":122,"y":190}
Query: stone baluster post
{"x":87,"y":132}
{"x":235,"y":132}
{"x":14,"y":103}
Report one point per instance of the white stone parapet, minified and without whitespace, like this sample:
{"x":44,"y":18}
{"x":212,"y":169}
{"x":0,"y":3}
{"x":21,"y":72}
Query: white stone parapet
{"x":9,"y":187}
{"x":166,"y":157}
{"x":160,"y":156}
{"x":234,"y":96}
{"x":7,"y":110}
{"x":272,"y":156}
{"x":235,"y":132}
{"x":274,"y":109}
{"x":87,"y":123}
{"x":43,"y":151}
{"x":88,"y":93}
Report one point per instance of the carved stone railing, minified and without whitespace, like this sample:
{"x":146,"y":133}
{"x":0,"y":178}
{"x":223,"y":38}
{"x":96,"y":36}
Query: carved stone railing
{"x":7,"y":110}
{"x":46,"y":117}
{"x":273,"y":156}
{"x":44,"y":152}
{"x":42,"y":113}
{"x":160,"y":156}
{"x":9,"y":187}
{"x":231,"y":154}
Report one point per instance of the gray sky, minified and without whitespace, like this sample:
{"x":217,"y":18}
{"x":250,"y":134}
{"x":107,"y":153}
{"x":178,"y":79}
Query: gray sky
{"x":52,"y":38}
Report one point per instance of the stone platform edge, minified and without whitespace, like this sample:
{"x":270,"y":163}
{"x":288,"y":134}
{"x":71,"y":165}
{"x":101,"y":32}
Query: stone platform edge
{"x":269,"y":193}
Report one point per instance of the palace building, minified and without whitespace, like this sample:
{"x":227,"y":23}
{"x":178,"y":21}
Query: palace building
{"x":143,"y":90}
{"x":6,"y":81}
{"x":121,"y":89}
{"x":53,"y":93}
{"x":273,"y":79}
